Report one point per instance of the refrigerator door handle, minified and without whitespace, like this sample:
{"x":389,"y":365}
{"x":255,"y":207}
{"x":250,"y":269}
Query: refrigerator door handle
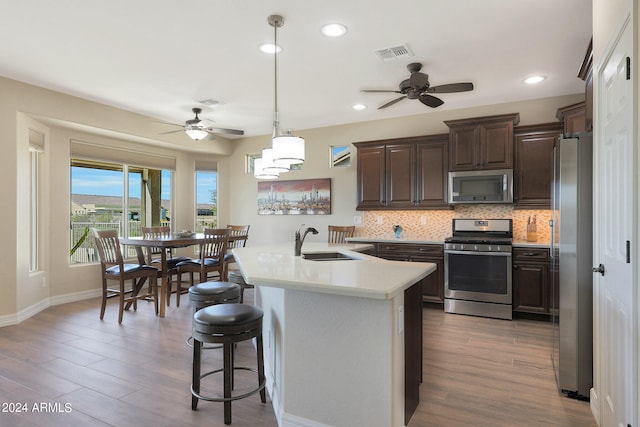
{"x":551,"y":238}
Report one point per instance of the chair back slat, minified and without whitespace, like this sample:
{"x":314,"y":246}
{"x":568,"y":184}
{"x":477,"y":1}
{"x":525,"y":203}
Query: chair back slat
{"x":108,"y":245}
{"x":155,"y":232}
{"x":338,"y":233}
{"x":240,"y":234}
{"x":215,"y":243}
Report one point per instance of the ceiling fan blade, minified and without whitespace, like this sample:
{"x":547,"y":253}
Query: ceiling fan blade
{"x":430,"y":101}
{"x":418,"y":80}
{"x":171,"y":131}
{"x":451,"y":88}
{"x":380,"y":91}
{"x":225,"y":131}
{"x":390,"y":103}
{"x":167,"y":123}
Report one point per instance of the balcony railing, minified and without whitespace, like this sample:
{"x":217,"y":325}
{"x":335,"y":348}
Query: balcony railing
{"x":87,"y":252}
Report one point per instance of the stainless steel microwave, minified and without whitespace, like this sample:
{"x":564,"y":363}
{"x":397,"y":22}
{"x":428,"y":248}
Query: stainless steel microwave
{"x":485,"y":186}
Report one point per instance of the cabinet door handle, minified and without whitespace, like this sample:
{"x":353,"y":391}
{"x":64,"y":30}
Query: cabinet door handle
{"x":515,"y":266}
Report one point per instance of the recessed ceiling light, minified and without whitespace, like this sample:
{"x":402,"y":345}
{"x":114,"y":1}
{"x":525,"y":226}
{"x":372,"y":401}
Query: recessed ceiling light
{"x":334,"y":30}
{"x":359,"y":107}
{"x":269,"y":48}
{"x":534,"y":79}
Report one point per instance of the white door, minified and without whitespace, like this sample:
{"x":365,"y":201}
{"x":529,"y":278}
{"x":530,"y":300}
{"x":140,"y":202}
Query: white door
{"x":614,"y":394}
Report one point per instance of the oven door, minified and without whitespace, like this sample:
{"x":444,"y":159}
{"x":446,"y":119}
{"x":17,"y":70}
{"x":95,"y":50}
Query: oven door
{"x":478,"y":276}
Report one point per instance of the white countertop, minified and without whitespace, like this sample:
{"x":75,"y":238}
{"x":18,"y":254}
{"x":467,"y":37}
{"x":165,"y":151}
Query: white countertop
{"x":365,"y":276}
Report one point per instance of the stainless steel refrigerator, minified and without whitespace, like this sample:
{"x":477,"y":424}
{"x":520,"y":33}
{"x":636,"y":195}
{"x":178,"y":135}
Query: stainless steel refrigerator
{"x":571,"y":267}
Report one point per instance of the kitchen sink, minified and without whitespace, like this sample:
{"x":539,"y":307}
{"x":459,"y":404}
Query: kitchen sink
{"x":327,"y":256}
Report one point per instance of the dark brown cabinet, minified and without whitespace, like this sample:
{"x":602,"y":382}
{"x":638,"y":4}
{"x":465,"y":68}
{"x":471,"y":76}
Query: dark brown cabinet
{"x":534,"y":165}
{"x":531,"y":280}
{"x":573,"y":116}
{"x":371,"y":179}
{"x":406,"y":173}
{"x":433,"y":284}
{"x":481,"y":142}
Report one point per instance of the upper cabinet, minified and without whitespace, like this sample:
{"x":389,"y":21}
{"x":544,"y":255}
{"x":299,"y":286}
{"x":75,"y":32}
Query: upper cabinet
{"x":481,"y":142}
{"x":586,"y":74}
{"x":371,"y":179}
{"x":404,"y":173}
{"x":573,"y":117}
{"x":534,"y":165}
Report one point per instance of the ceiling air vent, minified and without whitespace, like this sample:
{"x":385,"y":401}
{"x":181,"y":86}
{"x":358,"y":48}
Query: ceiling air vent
{"x":392,"y":53}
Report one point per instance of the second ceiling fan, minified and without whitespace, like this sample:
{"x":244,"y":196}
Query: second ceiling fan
{"x":417,"y":87}
{"x":197,"y":128}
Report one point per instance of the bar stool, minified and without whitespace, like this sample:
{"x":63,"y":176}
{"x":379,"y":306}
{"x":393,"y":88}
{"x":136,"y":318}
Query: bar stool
{"x":226,"y":324}
{"x":211,"y":293}
{"x":235,"y":276}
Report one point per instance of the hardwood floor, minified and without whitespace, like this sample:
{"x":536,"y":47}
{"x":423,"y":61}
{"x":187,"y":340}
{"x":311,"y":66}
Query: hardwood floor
{"x":87,"y":372}
{"x":487,"y":372}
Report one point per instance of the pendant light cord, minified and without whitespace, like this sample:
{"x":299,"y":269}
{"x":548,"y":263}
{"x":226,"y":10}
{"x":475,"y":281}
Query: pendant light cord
{"x":276,"y":121}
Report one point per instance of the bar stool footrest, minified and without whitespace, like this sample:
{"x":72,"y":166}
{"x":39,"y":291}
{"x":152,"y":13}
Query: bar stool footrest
{"x":261,"y":386}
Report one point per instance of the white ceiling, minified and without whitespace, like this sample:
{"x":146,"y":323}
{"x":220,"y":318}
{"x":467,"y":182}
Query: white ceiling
{"x":160,"y":57}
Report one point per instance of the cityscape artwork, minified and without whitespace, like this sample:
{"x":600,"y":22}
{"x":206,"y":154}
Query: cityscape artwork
{"x":299,"y":197}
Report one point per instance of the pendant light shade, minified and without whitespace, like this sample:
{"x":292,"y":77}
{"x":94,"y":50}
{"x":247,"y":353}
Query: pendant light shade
{"x":271,"y":166}
{"x":260,"y":173}
{"x":288,"y":149}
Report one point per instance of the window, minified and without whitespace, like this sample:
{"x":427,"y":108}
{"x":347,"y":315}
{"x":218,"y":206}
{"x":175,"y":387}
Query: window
{"x":115,"y":196}
{"x":35,"y":153}
{"x":206,"y":200}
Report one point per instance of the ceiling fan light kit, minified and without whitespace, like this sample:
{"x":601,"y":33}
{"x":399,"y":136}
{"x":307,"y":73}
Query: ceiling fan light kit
{"x":196,"y":134}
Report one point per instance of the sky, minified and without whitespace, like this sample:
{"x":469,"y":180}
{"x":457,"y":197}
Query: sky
{"x":110,"y":183}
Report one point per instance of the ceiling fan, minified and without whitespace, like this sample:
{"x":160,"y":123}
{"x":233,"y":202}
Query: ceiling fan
{"x":197,"y":129}
{"x":417,"y":87}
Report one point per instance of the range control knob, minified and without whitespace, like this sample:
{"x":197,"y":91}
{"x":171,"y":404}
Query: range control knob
{"x":475,"y":247}
{"x":489,"y":248}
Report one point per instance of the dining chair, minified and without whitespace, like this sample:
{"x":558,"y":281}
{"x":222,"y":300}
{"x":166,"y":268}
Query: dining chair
{"x":114,"y":268}
{"x":211,"y":259}
{"x":338,"y":233}
{"x":237,"y":239}
{"x":153,"y":257}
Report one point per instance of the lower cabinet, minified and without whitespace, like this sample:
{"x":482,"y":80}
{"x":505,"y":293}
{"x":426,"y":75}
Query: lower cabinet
{"x":433,"y":284}
{"x":531,"y":290}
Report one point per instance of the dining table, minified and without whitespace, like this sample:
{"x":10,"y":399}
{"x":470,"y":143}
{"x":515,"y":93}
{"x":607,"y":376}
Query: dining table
{"x":173,"y":241}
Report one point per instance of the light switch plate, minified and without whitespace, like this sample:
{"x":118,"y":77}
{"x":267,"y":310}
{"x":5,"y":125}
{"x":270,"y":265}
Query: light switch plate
{"x":400,"y":319}
{"x":357,"y":220}
{"x":423,"y":220}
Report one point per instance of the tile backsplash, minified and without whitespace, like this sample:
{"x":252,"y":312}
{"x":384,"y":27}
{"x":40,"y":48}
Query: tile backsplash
{"x":436,"y":225}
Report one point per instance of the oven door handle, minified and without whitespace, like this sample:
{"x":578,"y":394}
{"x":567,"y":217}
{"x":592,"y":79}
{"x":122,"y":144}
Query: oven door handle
{"x":505,"y":254}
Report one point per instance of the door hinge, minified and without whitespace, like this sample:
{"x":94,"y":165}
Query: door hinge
{"x":628,"y":68}
{"x":628,"y":252}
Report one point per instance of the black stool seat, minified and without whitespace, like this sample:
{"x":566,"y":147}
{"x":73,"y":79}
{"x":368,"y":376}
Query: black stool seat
{"x":226,"y":324}
{"x":210,"y":293}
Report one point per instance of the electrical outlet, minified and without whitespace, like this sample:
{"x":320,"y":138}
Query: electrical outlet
{"x":423,"y":220}
{"x":379,"y":219}
{"x":357,"y":220}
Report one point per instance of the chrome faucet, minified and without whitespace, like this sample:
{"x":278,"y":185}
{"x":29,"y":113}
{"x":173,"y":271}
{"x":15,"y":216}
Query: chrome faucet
{"x":300,"y":240}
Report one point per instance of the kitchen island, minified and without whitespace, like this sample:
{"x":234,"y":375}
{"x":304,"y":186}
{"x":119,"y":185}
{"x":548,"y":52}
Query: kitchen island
{"x":340,"y":336}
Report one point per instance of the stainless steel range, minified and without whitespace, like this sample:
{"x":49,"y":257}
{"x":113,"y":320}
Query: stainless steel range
{"x":477,"y":268}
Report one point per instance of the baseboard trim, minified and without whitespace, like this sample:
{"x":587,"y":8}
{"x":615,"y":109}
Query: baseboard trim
{"x":22,"y":315}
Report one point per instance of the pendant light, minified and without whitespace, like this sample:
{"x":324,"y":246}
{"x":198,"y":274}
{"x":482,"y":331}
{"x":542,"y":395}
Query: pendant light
{"x":287,"y":148}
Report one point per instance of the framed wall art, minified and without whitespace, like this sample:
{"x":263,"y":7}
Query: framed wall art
{"x":296,"y":197}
